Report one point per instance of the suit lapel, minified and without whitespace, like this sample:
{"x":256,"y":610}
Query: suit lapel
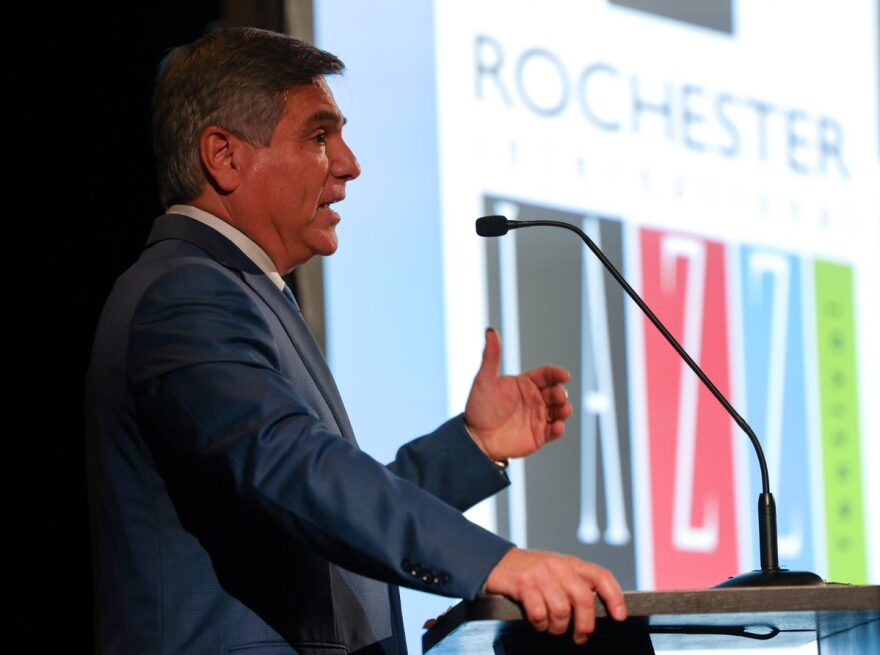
{"x":227,"y":253}
{"x":305,"y":345}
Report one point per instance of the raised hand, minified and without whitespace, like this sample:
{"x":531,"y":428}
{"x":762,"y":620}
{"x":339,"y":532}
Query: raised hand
{"x":515,"y":415}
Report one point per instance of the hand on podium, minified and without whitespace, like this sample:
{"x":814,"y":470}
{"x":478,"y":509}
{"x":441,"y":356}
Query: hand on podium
{"x":551,"y":587}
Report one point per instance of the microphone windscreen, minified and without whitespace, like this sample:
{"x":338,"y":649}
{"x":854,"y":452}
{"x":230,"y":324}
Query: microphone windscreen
{"x":492,"y":226}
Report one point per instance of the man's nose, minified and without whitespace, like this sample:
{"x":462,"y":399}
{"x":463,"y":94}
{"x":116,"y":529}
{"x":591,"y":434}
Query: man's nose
{"x":345,"y":164}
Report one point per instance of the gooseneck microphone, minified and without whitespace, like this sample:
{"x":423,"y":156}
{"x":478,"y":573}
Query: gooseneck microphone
{"x":769,"y":575}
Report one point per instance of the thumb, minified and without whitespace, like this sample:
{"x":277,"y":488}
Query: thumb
{"x":491,"y":364}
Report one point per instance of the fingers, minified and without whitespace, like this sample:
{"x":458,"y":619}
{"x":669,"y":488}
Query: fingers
{"x":608,"y":588}
{"x":558,"y":408}
{"x":557,"y":590}
{"x":555,"y":395}
{"x":548,"y":606}
{"x":491,"y":364}
{"x":554,"y":431}
{"x":558,"y":606}
{"x":548,"y":376}
{"x":532,"y":601}
{"x":584,"y":605}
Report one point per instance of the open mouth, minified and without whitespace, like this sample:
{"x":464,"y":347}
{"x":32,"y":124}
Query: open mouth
{"x":329,"y":212}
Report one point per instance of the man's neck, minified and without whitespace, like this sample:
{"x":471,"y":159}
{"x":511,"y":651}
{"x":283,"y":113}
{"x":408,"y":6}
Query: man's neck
{"x":242,"y":241}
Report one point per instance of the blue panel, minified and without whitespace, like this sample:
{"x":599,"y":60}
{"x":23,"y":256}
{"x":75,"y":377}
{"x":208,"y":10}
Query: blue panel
{"x":384,"y":287}
{"x":776,"y":401}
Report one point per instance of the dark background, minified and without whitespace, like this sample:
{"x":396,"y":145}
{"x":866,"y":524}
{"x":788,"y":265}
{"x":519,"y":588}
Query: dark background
{"x":111,"y":205}
{"x":93,"y":183}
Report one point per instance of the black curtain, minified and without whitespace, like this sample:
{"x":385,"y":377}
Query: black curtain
{"x":106,"y":214}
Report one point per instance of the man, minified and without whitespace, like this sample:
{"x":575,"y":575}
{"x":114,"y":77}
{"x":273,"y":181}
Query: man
{"x":232,"y":509}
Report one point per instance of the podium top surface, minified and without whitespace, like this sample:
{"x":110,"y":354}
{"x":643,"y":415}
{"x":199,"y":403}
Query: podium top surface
{"x":777,"y":616}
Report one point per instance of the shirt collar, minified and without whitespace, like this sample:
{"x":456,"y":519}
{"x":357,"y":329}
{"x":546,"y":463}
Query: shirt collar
{"x":244,"y":243}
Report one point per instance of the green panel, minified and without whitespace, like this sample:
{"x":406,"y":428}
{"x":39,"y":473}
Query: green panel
{"x":841,"y":447}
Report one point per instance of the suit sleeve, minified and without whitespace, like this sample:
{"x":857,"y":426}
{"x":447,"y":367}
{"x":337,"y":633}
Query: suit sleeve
{"x":449,"y":465}
{"x":230,"y":436}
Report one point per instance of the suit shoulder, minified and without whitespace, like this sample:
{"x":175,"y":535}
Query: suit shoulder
{"x":175,"y":262}
{"x":198,"y":293}
{"x":195,"y":313}
{"x":195,"y":277}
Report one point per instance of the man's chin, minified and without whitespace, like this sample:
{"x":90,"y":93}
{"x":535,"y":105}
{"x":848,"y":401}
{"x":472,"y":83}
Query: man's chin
{"x":307,"y":250}
{"x":327,"y":246}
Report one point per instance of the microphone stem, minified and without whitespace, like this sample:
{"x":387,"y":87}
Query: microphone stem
{"x":764,"y":506}
{"x":767,"y":532}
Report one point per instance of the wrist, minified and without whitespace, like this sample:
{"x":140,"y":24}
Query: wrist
{"x":500,"y":464}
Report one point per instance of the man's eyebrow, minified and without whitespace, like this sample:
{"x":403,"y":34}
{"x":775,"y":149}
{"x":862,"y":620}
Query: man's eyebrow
{"x":326,"y":116}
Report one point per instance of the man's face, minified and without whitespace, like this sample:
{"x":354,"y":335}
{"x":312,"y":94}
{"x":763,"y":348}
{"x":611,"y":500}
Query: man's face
{"x":288,"y":187}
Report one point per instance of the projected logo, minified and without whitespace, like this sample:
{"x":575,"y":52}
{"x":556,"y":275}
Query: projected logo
{"x":714,"y":14}
{"x":780,"y":325}
{"x":776,"y":400}
{"x":689,"y":434}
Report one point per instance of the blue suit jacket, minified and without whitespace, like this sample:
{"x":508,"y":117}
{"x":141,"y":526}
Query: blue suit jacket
{"x":232,"y":510}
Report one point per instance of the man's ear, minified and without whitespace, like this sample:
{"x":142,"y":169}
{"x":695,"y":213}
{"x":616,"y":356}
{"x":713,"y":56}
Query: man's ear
{"x":223,"y":154}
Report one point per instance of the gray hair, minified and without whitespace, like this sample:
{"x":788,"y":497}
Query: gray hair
{"x":237,"y":78}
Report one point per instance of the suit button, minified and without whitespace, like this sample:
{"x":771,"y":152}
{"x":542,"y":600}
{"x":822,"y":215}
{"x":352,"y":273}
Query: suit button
{"x":444,"y":578}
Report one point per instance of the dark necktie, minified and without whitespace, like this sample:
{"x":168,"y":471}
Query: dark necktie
{"x":355,"y":594}
{"x":289,"y":295}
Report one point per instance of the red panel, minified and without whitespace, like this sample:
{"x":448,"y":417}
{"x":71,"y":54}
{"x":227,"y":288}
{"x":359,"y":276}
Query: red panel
{"x":687,"y":562}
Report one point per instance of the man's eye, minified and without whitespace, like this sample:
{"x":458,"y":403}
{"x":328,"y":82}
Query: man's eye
{"x":321,"y":138}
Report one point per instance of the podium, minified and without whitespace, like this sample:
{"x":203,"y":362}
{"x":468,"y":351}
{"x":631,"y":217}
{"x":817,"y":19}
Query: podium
{"x":841,"y":618}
